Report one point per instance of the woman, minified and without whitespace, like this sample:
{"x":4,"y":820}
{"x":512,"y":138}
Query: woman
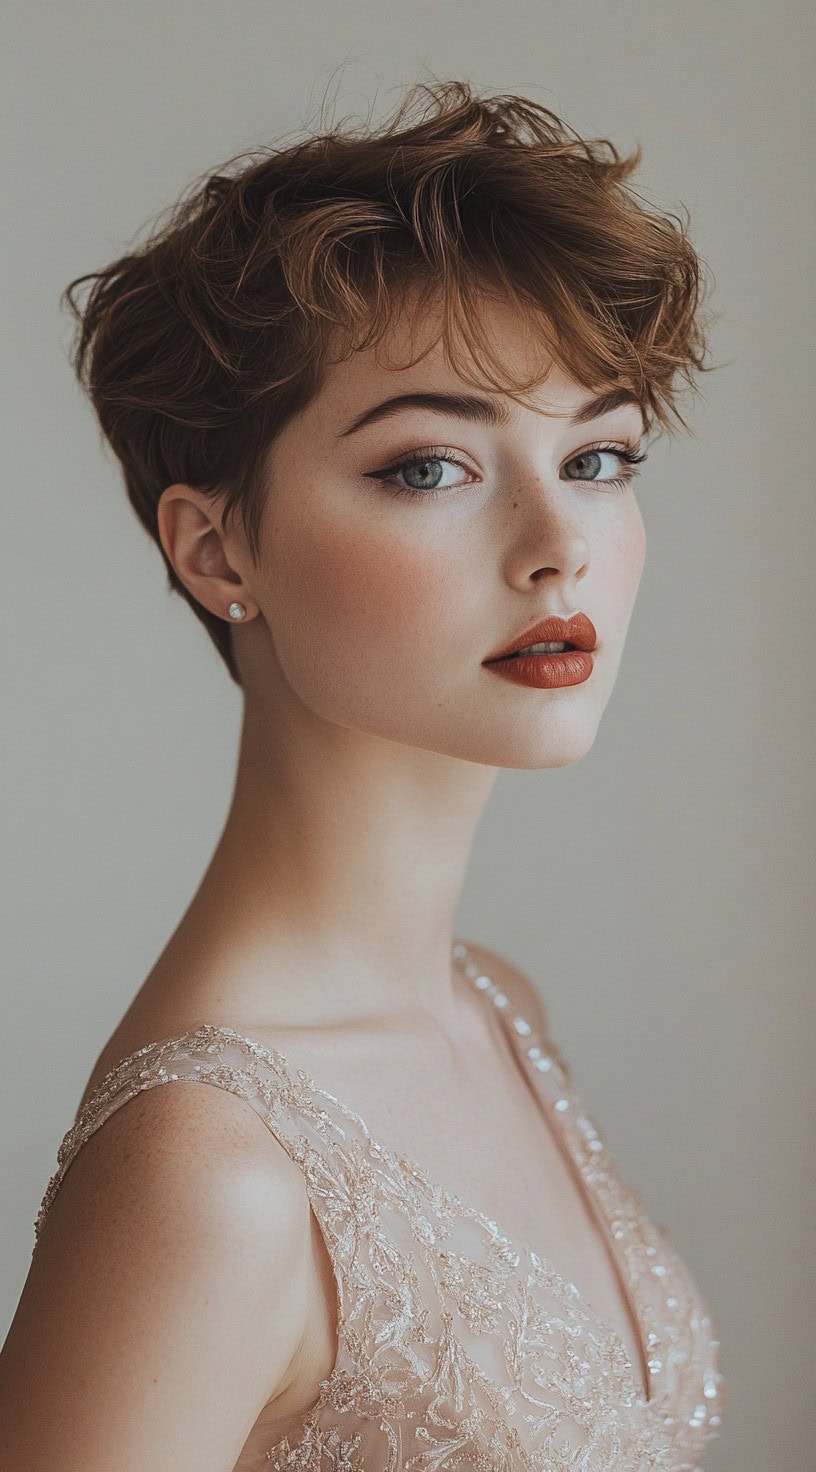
{"x":380,"y":399}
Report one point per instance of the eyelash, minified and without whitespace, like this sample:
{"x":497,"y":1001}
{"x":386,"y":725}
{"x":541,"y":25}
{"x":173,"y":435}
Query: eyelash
{"x":629,"y":456}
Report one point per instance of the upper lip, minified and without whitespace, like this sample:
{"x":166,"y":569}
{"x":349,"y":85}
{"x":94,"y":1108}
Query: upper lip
{"x":577,"y":629}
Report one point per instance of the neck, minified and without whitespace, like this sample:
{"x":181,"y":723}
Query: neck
{"x":338,"y":873}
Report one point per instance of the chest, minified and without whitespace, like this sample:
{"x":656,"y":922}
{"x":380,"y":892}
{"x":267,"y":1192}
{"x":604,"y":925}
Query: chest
{"x":487,"y":1133}
{"x":497,"y":1151}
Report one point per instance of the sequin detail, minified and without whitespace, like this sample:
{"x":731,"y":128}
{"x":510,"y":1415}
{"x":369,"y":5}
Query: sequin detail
{"x":459,"y":1349}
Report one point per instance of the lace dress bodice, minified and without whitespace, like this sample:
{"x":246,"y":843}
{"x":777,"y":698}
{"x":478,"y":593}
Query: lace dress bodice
{"x":459,"y":1349}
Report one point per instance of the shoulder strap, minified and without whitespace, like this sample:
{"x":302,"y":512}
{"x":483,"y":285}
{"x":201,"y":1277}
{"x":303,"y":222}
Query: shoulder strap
{"x":289,"y":1104}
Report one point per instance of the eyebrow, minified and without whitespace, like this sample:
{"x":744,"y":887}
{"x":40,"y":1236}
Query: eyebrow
{"x":485,"y":411}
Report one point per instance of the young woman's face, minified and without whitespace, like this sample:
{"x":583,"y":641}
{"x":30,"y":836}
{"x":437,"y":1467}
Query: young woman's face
{"x":379,"y":607}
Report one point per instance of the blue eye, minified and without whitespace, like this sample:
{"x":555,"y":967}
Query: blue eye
{"x":589,"y":461}
{"x":425,"y":466}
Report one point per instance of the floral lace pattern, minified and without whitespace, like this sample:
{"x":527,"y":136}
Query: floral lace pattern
{"x":459,"y":1350}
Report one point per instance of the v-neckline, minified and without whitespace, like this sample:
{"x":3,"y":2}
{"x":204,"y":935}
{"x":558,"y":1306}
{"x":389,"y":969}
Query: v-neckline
{"x":534,"y":1054}
{"x":519,"y":1029}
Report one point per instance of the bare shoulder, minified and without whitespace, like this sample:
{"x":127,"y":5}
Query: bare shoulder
{"x":174,"y":1257}
{"x":201,"y":1139}
{"x":524,"y":995}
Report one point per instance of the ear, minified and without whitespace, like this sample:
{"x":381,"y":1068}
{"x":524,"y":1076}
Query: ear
{"x":210,"y":563}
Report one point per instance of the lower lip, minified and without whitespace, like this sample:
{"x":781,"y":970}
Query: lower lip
{"x":546,"y":671}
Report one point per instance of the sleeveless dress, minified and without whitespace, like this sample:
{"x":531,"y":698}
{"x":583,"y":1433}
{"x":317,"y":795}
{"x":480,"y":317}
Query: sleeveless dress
{"x":460,"y":1349}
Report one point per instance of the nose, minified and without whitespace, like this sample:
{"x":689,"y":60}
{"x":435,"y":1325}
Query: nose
{"x":546,"y":537}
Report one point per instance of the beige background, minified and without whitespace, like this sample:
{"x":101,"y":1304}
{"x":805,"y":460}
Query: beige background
{"x":682,"y":991}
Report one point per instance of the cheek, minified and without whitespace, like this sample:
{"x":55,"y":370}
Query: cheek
{"x":624,"y":557}
{"x":352,"y":603}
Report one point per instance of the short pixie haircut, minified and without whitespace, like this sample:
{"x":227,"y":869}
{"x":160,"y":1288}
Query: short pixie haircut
{"x":198,"y":345}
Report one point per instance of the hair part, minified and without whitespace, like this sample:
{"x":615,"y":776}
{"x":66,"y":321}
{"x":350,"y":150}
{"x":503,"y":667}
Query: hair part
{"x":197,"y":346}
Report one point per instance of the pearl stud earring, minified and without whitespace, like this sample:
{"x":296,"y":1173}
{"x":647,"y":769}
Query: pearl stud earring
{"x":236,"y":610}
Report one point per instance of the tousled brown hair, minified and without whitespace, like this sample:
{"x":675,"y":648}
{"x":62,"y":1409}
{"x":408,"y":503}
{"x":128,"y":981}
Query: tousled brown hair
{"x":198,"y":345}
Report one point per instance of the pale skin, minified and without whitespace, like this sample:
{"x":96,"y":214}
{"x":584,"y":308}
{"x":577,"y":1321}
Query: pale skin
{"x":372,"y":735}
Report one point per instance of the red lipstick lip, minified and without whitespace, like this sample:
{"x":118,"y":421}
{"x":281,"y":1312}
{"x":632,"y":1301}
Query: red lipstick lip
{"x":578,"y":629}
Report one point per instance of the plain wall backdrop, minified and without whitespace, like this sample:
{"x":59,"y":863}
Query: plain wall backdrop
{"x":681,"y":990}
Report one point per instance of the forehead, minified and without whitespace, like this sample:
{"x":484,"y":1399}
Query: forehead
{"x":414,"y":355}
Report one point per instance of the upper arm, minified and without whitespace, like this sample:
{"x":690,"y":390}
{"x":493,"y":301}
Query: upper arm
{"x":524,"y":996}
{"x":166,"y":1297}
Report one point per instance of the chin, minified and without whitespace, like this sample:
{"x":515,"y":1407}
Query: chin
{"x":556,"y":736}
{"x":532,"y":745}
{"x":543,"y":755}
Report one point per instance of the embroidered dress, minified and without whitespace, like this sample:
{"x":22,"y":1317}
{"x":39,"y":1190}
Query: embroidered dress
{"x":459,"y":1348}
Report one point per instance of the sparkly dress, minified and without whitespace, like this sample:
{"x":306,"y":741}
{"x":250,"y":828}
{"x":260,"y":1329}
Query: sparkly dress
{"x":459,"y":1348}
